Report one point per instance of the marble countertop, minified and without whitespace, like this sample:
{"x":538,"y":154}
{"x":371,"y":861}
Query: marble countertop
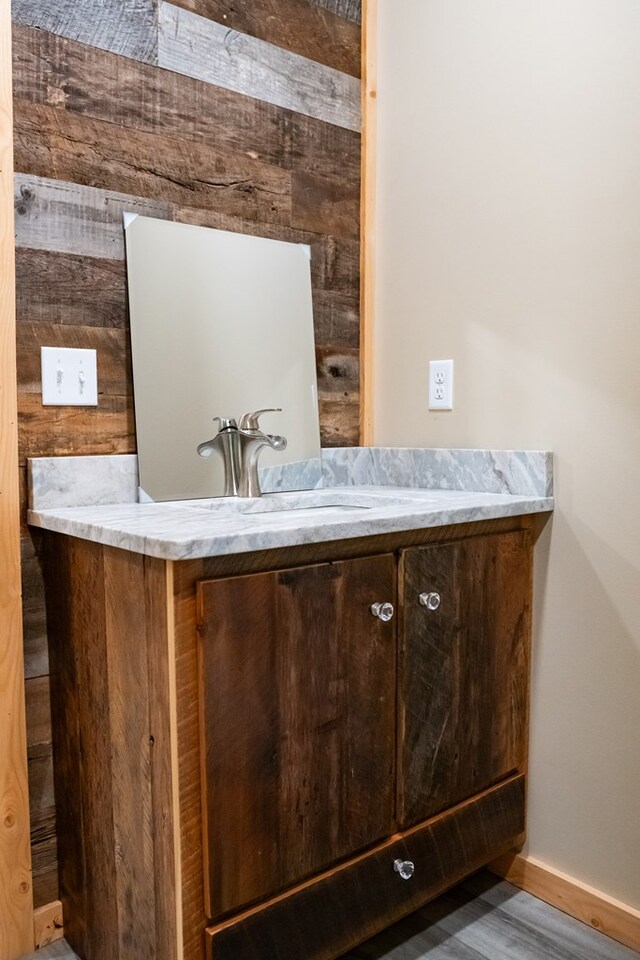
{"x":183,"y":530}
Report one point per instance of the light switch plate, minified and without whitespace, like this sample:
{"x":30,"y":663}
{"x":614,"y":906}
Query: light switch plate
{"x":69,"y":377}
{"x":441,"y":385}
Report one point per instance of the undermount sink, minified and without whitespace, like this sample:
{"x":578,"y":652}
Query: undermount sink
{"x":307,"y":503}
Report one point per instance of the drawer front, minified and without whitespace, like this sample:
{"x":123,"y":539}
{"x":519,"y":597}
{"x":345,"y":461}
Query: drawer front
{"x":335,"y":911}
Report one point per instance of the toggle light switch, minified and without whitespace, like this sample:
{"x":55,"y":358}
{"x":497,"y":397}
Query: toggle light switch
{"x":69,"y":377}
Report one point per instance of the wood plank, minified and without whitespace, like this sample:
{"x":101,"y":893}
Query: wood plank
{"x":338,"y":374}
{"x":61,"y":431}
{"x":335,"y":911}
{"x":44,"y":857}
{"x":38,"y":704}
{"x":66,"y":622}
{"x":43,"y":826}
{"x":130,"y":746}
{"x":66,"y":146}
{"x":34,"y":617}
{"x":163,"y":724}
{"x":49,"y":70}
{"x":618,"y":920}
{"x":197,"y":47}
{"x":303,"y":775}
{"x":368,"y":217}
{"x":336,"y":319}
{"x":42,"y":798}
{"x":70,"y":289}
{"x":325,"y":206}
{"x":339,"y":423}
{"x":464,"y":670}
{"x":48,"y":924}
{"x":16,"y":898}
{"x":307,"y":29}
{"x":70,"y":218}
{"x":512,"y":905}
{"x":350,"y":9}
{"x":128,"y":27}
{"x":189,"y":755}
{"x":60,"y":73}
{"x":115,"y":377}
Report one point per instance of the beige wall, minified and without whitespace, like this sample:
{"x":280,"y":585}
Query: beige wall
{"x":509,"y":239}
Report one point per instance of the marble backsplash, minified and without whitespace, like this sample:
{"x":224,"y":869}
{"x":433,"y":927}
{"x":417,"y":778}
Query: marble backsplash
{"x":56,"y":482}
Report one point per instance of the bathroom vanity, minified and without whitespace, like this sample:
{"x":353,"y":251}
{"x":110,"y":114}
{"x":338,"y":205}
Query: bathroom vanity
{"x":282,"y":725}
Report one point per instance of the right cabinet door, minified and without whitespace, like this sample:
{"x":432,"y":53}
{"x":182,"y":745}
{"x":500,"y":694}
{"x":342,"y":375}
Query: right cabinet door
{"x":463,"y":670}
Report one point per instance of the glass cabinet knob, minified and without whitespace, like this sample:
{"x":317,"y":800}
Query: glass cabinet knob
{"x":383,"y":611}
{"x":430,"y":600}
{"x":404,"y":868}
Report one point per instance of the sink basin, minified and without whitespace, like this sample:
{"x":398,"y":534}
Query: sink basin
{"x":302,"y":503}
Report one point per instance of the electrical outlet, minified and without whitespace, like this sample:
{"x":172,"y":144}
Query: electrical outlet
{"x":441,"y":385}
{"x":69,"y":377}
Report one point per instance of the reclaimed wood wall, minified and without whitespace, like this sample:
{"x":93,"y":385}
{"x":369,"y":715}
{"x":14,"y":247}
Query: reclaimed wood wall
{"x":239,"y":114}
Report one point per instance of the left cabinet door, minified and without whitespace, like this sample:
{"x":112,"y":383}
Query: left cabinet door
{"x":298,"y":724}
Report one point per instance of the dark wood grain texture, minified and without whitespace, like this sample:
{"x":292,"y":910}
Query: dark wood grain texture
{"x":305,"y":28}
{"x":298,"y":723}
{"x":464,"y":670}
{"x":189,"y":751}
{"x":70,"y":289}
{"x":323,"y":919}
{"x":49,"y":70}
{"x":104,"y":746}
{"x":66,"y":146}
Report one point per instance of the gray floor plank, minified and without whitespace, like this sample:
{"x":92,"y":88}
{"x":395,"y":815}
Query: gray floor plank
{"x":482,"y":919}
{"x":562,"y":929}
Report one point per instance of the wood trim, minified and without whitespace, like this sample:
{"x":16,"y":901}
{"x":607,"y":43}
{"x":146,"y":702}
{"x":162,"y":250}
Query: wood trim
{"x":47,"y":924}
{"x":617,"y":920}
{"x":16,"y":893}
{"x":367,"y":216}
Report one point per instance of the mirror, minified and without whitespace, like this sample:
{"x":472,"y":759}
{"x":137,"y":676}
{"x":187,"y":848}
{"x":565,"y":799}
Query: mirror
{"x":221,"y":325}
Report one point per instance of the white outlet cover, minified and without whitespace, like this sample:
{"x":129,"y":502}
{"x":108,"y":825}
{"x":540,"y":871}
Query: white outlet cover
{"x":441,"y":385}
{"x":69,"y":377}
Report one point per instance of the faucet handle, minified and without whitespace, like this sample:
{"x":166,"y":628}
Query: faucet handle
{"x":249,"y":421}
{"x":226,"y":423}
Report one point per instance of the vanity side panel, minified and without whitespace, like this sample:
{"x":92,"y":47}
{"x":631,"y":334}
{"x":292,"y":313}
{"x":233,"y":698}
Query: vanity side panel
{"x":186,"y":575}
{"x":112,"y":748}
{"x":82,"y":751}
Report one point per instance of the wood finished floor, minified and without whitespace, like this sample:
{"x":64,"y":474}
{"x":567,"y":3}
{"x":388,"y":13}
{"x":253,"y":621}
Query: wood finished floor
{"x":482,"y":919}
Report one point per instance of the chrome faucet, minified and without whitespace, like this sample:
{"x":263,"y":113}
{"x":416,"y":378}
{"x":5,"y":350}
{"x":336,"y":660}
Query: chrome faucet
{"x":239,"y":447}
{"x":227,"y":445}
{"x":252,"y":441}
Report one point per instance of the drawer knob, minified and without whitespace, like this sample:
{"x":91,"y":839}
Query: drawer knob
{"x":430,"y":600}
{"x":383,"y":611}
{"x":404,"y":868}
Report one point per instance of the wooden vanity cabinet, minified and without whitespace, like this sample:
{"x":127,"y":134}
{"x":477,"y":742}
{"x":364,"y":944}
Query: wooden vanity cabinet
{"x":246,"y":755}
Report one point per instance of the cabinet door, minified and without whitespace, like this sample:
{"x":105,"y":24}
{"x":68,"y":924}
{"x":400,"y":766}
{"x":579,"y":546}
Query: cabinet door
{"x":298,"y":722}
{"x":463,"y":670}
